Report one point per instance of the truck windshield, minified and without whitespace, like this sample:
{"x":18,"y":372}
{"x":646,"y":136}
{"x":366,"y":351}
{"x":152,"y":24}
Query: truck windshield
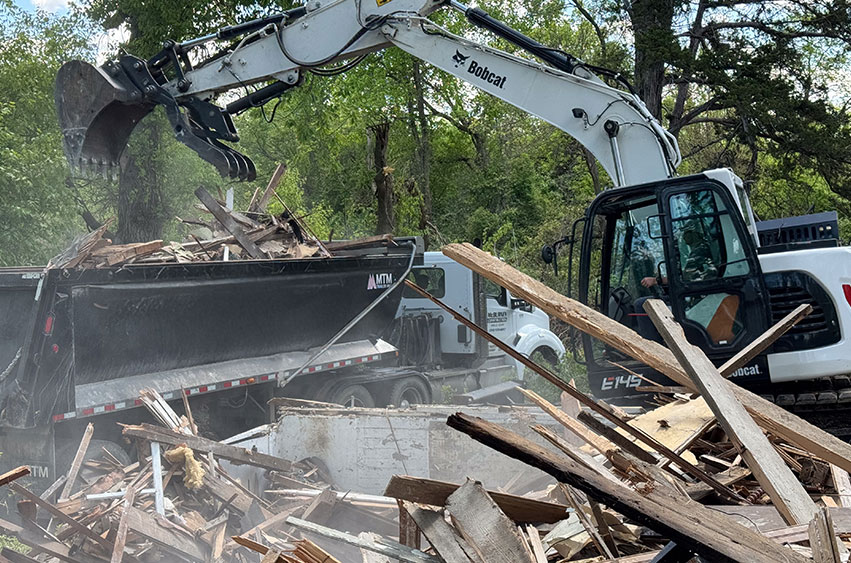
{"x":431,"y":279}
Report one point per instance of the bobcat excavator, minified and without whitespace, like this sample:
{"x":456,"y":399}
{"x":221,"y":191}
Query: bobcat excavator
{"x":639,"y":239}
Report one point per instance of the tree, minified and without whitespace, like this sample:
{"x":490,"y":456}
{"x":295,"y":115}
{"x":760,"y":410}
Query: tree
{"x":37,"y":209}
{"x":760,"y":73}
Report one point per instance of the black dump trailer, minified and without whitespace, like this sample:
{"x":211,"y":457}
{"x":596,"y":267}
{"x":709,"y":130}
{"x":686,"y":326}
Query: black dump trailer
{"x":77,"y":346}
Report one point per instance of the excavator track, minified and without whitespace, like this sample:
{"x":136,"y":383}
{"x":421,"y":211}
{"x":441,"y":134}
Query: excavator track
{"x":825,"y":402}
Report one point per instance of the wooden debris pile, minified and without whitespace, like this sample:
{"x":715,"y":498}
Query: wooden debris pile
{"x":178,"y":502}
{"x":254,"y":234}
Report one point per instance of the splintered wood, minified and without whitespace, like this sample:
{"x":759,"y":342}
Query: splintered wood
{"x":255,"y":234}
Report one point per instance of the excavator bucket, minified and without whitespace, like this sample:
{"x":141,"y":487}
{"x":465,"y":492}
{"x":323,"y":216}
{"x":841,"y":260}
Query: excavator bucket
{"x":98,"y":108}
{"x":96,"y":115}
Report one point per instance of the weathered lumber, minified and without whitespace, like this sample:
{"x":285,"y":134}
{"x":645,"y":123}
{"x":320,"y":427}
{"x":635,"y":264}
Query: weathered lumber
{"x":435,"y":493}
{"x":157,"y":473}
{"x":777,"y":420}
{"x":10,"y":556}
{"x":229,"y":223}
{"x":615,"y":437}
{"x":77,"y":463}
{"x":115,"y":254}
{"x":599,"y":443}
{"x":384,"y":547}
{"x":823,"y":538}
{"x":321,"y":508}
{"x":842,"y":485}
{"x":766,"y":339}
{"x":155,"y":528}
{"x":769,"y":469}
{"x":260,"y":205}
{"x":121,"y":534}
{"x":49,"y":547}
{"x":409,"y":532}
{"x":608,"y":412}
{"x":232,"y":453}
{"x":446,"y":543}
{"x":14,"y":474}
{"x":709,"y":533}
{"x":62,"y":517}
{"x":480,"y":521}
{"x":574,"y":453}
{"x":358,"y":243}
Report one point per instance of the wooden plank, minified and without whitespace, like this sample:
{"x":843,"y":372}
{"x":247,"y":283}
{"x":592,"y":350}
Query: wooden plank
{"x":771,"y":417}
{"x":154,"y":529}
{"x":384,"y":547}
{"x":480,"y":521}
{"x":535,"y":540}
{"x":321,"y":508}
{"x":769,"y":469}
{"x":77,"y":463}
{"x":615,"y":437}
{"x":233,"y":453}
{"x":62,"y":517}
{"x":49,"y":547}
{"x":229,"y":223}
{"x":608,"y":412}
{"x":599,"y":443}
{"x":575,"y":454}
{"x":446,"y":543}
{"x":766,"y":339}
{"x":823,"y":538}
{"x":519,"y":509}
{"x":121,"y":534}
{"x":12,"y":556}
{"x":709,"y":533}
{"x":277,"y":175}
{"x":14,"y":474}
{"x":842,"y":485}
{"x":571,"y":408}
{"x":157,"y":469}
{"x":409,"y":533}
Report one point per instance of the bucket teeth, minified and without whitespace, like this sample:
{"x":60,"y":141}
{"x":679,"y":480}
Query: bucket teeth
{"x":98,"y":108}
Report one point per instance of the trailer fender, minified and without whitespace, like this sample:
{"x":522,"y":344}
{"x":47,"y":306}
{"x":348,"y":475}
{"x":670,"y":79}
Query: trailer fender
{"x":531,"y":338}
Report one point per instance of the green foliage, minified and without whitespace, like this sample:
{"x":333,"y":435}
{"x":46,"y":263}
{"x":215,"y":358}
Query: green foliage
{"x":37,"y":210}
{"x":567,"y":370}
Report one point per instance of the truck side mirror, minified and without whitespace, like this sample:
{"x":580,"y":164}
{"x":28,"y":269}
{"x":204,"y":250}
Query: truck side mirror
{"x":549,"y":256}
{"x":521,"y":304}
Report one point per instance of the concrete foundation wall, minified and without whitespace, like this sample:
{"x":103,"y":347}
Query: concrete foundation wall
{"x":363,"y":448}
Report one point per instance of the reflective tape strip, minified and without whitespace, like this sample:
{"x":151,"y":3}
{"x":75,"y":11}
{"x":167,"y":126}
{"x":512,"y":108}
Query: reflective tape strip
{"x":201,"y":389}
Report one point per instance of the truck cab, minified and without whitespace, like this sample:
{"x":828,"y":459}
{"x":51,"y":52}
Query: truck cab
{"x":512,"y":320}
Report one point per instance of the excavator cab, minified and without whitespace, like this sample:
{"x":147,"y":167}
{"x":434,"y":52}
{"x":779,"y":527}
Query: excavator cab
{"x":683,"y":241}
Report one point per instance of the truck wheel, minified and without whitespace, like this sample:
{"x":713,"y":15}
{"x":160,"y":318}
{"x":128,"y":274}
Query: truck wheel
{"x":353,"y":396}
{"x":409,"y":391}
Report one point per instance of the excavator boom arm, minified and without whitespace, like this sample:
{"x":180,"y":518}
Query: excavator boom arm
{"x":98,"y":107}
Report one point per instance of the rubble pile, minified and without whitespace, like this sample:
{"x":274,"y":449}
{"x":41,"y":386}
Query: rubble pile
{"x":712,"y":471}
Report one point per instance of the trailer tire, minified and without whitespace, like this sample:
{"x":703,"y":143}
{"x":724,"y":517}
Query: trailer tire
{"x":409,"y":391}
{"x":353,"y":396}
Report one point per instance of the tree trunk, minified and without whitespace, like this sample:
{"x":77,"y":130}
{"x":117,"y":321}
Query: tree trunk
{"x":382,"y":182}
{"x":654,"y":40}
{"x":421,"y":133}
{"x":141,"y":210}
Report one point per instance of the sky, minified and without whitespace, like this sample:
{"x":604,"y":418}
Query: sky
{"x":48,"y":5}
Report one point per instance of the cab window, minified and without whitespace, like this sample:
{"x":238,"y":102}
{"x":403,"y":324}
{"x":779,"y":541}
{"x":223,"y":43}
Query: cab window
{"x":430,"y":279}
{"x":706,"y":242}
{"x":496,"y":291}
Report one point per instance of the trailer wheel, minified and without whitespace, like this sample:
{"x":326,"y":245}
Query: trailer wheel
{"x":353,"y":396}
{"x":409,"y":391}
